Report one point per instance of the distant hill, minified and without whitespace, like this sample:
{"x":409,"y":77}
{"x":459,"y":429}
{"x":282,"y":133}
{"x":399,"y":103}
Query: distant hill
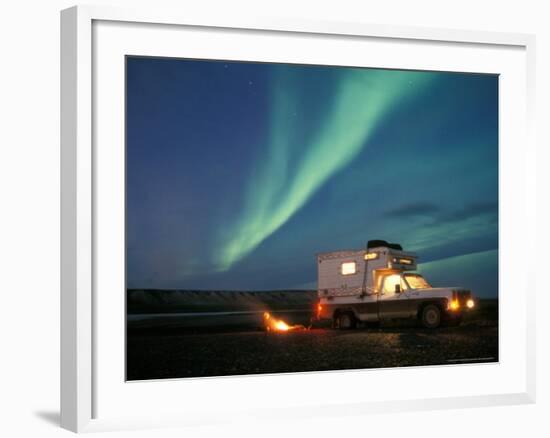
{"x":140,"y":301}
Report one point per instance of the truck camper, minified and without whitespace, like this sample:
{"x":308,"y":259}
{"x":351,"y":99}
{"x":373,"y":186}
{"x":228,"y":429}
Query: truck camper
{"x":379,"y":283}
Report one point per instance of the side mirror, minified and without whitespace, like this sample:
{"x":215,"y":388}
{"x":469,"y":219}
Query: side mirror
{"x":397,"y":288}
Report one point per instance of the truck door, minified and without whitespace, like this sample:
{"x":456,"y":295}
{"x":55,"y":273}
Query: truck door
{"x":393,"y":304}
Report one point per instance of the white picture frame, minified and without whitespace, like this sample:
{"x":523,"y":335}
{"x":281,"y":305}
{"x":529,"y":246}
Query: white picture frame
{"x":83,"y":370}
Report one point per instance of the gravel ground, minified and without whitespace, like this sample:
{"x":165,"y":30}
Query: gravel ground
{"x":186,"y":354}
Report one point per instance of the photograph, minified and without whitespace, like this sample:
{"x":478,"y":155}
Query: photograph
{"x":290,"y":218}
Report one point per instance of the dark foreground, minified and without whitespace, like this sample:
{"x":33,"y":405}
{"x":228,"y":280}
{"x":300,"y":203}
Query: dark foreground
{"x":174,"y":334}
{"x":176,"y":353}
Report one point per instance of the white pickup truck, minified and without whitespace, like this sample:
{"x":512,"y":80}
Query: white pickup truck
{"x":378,"y":284}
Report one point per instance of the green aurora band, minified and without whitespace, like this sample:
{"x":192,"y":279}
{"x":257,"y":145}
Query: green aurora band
{"x":293,"y":169}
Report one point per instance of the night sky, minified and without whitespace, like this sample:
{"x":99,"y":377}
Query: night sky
{"x":239,"y":173}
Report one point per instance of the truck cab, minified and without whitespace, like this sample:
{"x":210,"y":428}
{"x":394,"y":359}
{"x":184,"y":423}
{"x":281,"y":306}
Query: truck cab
{"x":378,"y":284}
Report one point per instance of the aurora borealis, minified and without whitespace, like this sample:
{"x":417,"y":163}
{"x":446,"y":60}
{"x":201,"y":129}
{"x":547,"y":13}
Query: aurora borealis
{"x":239,"y":173}
{"x":277,"y":191}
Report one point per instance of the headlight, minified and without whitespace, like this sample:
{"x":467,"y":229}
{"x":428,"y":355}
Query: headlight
{"x":470,"y":303}
{"x":454,"y":305}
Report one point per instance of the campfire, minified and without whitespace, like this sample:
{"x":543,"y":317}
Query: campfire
{"x":278,"y":325}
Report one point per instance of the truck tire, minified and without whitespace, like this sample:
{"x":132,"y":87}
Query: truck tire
{"x":345,"y":321}
{"x":431,"y":316}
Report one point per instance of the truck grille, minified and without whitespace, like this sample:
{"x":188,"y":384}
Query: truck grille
{"x":462,"y":295}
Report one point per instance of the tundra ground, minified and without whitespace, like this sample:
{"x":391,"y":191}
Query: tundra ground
{"x":177,"y":353}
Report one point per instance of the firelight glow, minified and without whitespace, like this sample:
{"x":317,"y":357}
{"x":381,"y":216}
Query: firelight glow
{"x":278,"y":325}
{"x":281,"y":325}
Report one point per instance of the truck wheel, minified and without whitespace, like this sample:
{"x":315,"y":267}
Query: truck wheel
{"x":345,"y":321}
{"x":431,"y":316}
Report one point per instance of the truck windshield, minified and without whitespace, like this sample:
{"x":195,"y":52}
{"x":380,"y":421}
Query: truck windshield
{"x":416,"y":281}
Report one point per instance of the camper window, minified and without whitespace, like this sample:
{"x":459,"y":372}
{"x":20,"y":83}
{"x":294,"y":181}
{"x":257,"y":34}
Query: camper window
{"x":348,"y":268}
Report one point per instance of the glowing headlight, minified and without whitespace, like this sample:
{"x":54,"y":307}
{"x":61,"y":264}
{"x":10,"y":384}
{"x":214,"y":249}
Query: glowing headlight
{"x":454,"y":305}
{"x":470,"y":303}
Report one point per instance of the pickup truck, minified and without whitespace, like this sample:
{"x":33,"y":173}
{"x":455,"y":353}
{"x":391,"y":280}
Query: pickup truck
{"x":379,"y":283}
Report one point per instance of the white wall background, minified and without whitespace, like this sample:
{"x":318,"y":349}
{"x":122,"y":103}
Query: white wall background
{"x":29,"y":214}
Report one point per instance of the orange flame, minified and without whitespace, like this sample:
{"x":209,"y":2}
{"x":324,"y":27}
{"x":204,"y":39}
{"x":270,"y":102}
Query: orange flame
{"x":278,"y":325}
